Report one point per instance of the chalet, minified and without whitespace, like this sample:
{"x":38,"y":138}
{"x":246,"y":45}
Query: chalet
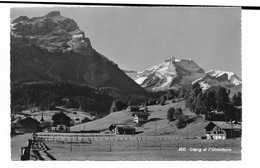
{"x":222,"y":130}
{"x":133,"y":108}
{"x":140,"y":117}
{"x":122,"y":129}
{"x":61,"y":122}
{"x":28,"y":125}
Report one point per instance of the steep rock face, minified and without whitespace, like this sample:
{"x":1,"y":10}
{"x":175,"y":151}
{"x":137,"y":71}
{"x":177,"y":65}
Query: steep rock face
{"x":52,"y":32}
{"x":170,"y":74}
{"x":218,"y":77}
{"x":53,"y":48}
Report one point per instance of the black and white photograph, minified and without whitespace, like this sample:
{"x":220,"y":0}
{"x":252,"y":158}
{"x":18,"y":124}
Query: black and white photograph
{"x":135,"y":83}
{"x":131,"y":82}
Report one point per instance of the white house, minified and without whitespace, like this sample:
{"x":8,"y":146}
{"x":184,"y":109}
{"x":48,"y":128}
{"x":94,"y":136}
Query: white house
{"x":140,"y":117}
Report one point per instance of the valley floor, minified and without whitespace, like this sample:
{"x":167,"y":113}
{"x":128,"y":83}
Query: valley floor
{"x":149,"y":150}
{"x":136,"y":148}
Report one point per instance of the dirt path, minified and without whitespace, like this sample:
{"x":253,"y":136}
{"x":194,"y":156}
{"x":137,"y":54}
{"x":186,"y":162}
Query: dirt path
{"x":39,"y":150}
{"x":16,"y":143}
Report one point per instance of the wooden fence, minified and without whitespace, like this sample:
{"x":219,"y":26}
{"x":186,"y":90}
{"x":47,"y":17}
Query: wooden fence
{"x":87,"y":138}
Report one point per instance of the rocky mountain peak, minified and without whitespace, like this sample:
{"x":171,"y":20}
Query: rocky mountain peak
{"x":21,"y":18}
{"x":53,"y":13}
{"x":52,"y":32}
{"x":170,"y":74}
{"x":53,"y":48}
{"x":218,"y":77}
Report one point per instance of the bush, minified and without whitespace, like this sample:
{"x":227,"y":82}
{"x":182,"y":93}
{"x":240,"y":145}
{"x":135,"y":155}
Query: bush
{"x":178,"y":112}
{"x":181,"y":121}
{"x":162,"y":100}
{"x":170,"y":114}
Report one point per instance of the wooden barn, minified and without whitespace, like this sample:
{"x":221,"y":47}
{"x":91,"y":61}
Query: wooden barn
{"x":61,"y":122}
{"x":223,"y":130}
{"x":140,"y":117}
{"x":28,"y":125}
{"x":122,"y":129}
{"x":133,"y":108}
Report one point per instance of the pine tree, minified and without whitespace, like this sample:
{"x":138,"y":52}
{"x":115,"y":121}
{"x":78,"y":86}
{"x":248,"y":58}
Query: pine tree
{"x":170,"y":114}
{"x":222,"y":99}
{"x":178,"y":112}
{"x":236,"y":99}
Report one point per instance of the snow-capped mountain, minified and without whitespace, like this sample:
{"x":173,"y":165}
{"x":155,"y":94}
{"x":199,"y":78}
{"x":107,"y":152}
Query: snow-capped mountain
{"x":170,"y":74}
{"x":218,"y":77}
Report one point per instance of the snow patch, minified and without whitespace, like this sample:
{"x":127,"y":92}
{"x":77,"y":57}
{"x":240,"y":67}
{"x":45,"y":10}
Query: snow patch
{"x":204,"y":86}
{"x":77,"y":36}
{"x":13,"y":26}
{"x":236,"y":82}
{"x":217,"y":73}
{"x":140,"y":80}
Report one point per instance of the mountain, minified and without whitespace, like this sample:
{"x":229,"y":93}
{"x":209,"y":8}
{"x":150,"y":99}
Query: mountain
{"x":218,"y":77}
{"x":53,"y":48}
{"x":171,"y":74}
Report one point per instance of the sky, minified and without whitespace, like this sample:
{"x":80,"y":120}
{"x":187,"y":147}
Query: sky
{"x":137,"y":38}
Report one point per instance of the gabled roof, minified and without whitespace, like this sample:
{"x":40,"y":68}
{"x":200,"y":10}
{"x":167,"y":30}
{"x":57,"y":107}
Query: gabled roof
{"x":29,"y":119}
{"x":224,"y":125}
{"x":141,"y":114}
{"x":134,"y":106}
{"x":124,"y":126}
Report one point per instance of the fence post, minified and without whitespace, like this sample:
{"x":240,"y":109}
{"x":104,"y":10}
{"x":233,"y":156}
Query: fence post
{"x":70,"y":144}
{"x":138,"y":144}
{"x":110,"y":146}
{"x":160,"y":145}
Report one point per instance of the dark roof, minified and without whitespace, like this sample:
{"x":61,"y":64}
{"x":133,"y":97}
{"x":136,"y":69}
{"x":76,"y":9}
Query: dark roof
{"x":124,"y":126}
{"x":224,"y":125}
{"x":60,"y":115}
{"x":141,"y":114}
{"x":29,"y":119}
{"x":133,"y":107}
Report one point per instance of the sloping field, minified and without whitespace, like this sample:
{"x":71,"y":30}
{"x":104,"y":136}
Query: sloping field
{"x":104,"y":123}
{"x":157,"y":124}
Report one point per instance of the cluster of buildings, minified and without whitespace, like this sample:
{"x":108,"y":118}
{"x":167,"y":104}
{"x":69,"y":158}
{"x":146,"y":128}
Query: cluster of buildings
{"x":140,"y":115}
{"x":61,"y":123}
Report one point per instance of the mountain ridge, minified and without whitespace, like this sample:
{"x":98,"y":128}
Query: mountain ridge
{"x":167,"y":75}
{"x":53,"y":48}
{"x":175,"y":73}
{"x":218,"y":77}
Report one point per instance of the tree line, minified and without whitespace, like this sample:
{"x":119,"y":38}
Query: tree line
{"x":215,"y":103}
{"x":47,"y":95}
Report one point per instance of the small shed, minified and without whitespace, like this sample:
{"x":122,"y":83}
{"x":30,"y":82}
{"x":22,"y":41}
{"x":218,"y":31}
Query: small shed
{"x":140,"y":117}
{"x":222,"y":130}
{"x":29,"y":125}
{"x":133,"y":108}
{"x":122,"y":129}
